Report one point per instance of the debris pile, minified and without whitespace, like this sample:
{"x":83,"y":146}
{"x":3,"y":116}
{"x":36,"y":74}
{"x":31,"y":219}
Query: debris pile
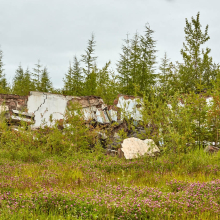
{"x":15,"y":110}
{"x":41,"y":109}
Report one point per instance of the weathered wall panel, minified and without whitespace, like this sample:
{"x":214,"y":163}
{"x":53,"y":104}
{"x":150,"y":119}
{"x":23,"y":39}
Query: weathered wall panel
{"x":130,"y":106}
{"x":46,"y":106}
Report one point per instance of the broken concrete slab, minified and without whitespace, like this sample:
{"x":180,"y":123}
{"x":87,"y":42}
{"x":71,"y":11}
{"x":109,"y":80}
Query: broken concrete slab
{"x":17,"y":119}
{"x":47,"y":106}
{"x":130,"y":106}
{"x":25,"y":114}
{"x":134,"y":147}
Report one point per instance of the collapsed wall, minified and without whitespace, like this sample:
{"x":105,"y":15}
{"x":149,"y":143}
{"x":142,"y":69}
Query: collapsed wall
{"x":47,"y":106}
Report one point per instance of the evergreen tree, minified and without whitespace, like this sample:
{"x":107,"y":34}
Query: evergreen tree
{"x":68,"y":82}
{"x":135,"y":62}
{"x":77,"y":77}
{"x":18,"y":82}
{"x":107,"y":86}
{"x":123,"y":68}
{"x":103,"y":80}
{"x":197,"y":70}
{"x":164,"y":75}
{"x":37,"y":71}
{"x":27,"y":82}
{"x":45,"y":83}
{"x":168,"y":77}
{"x":148,"y":60}
{"x":3,"y":82}
{"x":91,"y":82}
{"x":90,"y":69}
{"x":73,"y":81}
{"x":136,"y":66}
{"x":88,"y":58}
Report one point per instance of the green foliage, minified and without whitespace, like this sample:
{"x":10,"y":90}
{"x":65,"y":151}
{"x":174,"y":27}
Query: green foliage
{"x":36,"y":75}
{"x":148,"y":60}
{"x":73,"y":81}
{"x":90,"y":67}
{"x":45,"y":83}
{"x":168,"y":79}
{"x":182,"y":123}
{"x":3,"y":82}
{"x":136,"y":64}
{"x":123,"y":68}
{"x":22,"y":83}
{"x":198,"y":68}
{"x":107,"y":87}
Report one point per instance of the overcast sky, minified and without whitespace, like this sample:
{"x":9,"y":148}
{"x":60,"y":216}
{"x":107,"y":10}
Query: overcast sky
{"x":53,"y":31}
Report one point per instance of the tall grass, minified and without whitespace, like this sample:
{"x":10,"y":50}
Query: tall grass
{"x":56,"y":173}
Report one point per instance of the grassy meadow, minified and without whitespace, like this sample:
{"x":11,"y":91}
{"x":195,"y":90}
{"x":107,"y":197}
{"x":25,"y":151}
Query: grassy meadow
{"x":95,"y":186}
{"x":64,"y":173}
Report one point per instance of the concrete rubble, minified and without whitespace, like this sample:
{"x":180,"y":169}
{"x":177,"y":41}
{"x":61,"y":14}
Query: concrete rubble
{"x":15,"y":109}
{"x":41,"y":109}
{"x":134,"y":147}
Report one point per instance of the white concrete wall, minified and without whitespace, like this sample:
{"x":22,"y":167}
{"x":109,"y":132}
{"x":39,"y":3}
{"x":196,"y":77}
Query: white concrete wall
{"x":129,"y":108}
{"x":45,"y":105}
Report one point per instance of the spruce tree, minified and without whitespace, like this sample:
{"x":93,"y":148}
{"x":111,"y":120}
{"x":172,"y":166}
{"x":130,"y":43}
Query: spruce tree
{"x":37,"y":71}
{"x":3,"y":82}
{"x":103,"y":80}
{"x":135,"y":62}
{"x":73,"y":81}
{"x":164,"y":75}
{"x":90,"y":85}
{"x":68,"y":81}
{"x":148,"y":60}
{"x":90,"y":69}
{"x":196,"y":71}
{"x":107,"y":84}
{"x":123,"y":68}
{"x":27,"y":82}
{"x":77,"y":77}
{"x":18,"y":86}
{"x":45,"y":83}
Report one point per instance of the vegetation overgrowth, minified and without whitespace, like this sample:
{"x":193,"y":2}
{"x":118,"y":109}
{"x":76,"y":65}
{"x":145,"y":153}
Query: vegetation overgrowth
{"x":54,"y":173}
{"x":61,"y":171}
